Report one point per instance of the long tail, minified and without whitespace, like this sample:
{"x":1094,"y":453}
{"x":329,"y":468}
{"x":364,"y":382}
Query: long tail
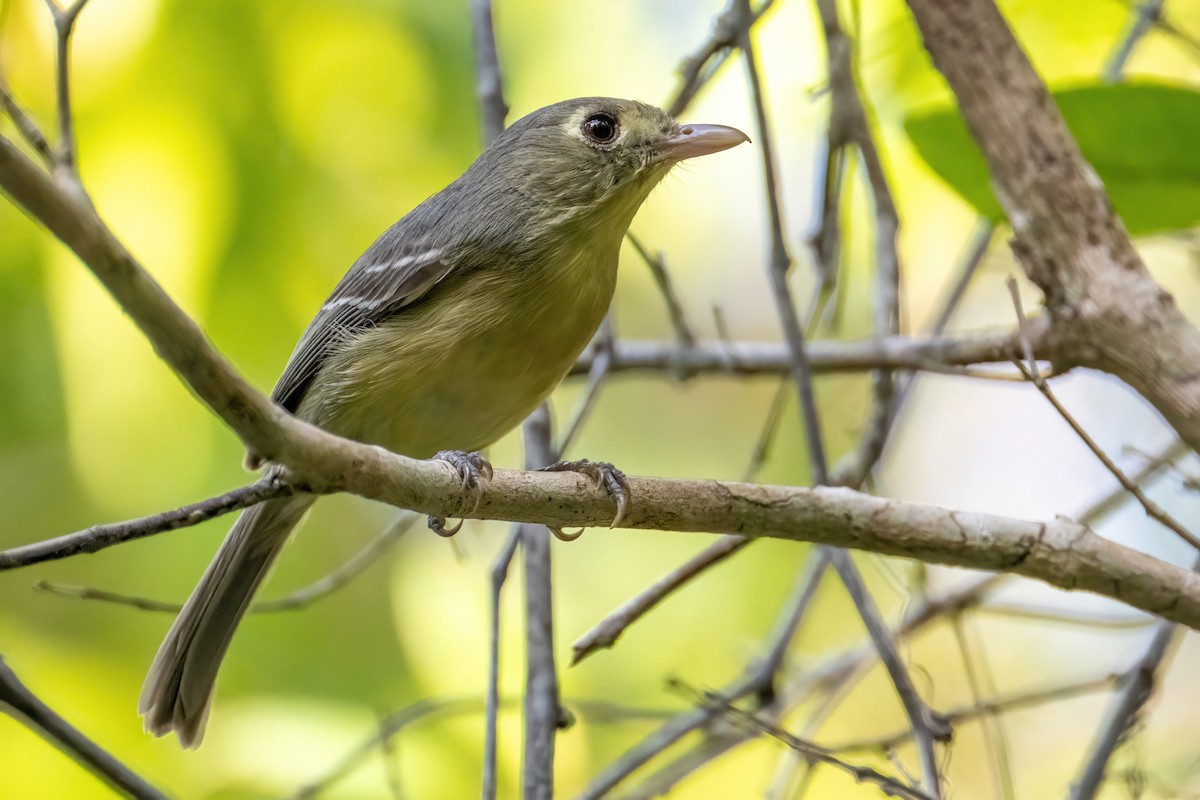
{"x":179,"y":687}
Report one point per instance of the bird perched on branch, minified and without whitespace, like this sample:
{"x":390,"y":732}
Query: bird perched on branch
{"x":446,"y":333}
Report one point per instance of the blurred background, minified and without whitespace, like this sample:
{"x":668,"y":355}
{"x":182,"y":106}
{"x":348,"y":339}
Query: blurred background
{"x":248,"y":151}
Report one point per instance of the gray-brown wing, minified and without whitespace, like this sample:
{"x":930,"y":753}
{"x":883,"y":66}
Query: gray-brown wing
{"x":370,"y":292}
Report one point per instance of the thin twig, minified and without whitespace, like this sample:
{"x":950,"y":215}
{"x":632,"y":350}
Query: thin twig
{"x":762,"y":447}
{"x":28,"y":129}
{"x":927,"y":727}
{"x":684,"y":337}
{"x":757,"y":681}
{"x":21,"y":704}
{"x":993,"y":707}
{"x":99,"y":537}
{"x":890,"y":786}
{"x":387,"y":748}
{"x":66,"y":157}
{"x":1064,"y":617}
{"x":993,"y":724}
{"x":727,"y":357}
{"x":972,"y":257}
{"x":1141,"y":21}
{"x":837,"y":675}
{"x":544,"y":713}
{"x":605,"y":633}
{"x":492,"y":708}
{"x":1152,"y":509}
{"x":1137,"y":684}
{"x":825,"y":239}
{"x":489,"y":87}
{"x":388,"y":728}
{"x":602,"y":360}
{"x":698,"y":68}
{"x":849,"y":125}
{"x":301,"y":598}
{"x":779,"y":262}
{"x":804,"y":589}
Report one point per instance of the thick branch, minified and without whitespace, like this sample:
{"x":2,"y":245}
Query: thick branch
{"x":177,"y":339}
{"x":1103,"y":302}
{"x":1061,"y":553}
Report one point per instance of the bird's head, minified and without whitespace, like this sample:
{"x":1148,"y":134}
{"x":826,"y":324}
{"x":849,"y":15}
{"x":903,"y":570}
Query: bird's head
{"x":593,"y":160}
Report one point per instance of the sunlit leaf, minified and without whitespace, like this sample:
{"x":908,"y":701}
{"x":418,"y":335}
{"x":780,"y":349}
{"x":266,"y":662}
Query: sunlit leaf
{"x":1141,"y":139}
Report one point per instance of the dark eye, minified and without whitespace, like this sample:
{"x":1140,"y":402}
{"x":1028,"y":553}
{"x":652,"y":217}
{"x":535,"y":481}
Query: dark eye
{"x":600,"y":128}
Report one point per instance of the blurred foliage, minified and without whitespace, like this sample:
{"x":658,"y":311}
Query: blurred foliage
{"x":248,"y":151}
{"x":1140,"y":138}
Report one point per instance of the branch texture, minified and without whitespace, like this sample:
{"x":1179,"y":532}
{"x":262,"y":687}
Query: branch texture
{"x":1103,"y":302}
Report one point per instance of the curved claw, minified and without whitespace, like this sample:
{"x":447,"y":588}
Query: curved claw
{"x":473,"y":470}
{"x":563,"y":536}
{"x":438,"y":526}
{"x":604,"y":474}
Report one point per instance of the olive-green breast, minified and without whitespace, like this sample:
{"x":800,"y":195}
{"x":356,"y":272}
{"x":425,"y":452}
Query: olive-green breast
{"x":464,"y":366}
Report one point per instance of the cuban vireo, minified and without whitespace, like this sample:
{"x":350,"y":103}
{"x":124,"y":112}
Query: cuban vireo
{"x":445,"y":334}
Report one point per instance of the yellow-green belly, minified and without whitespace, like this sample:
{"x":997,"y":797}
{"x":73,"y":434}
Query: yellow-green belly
{"x":465,"y":365}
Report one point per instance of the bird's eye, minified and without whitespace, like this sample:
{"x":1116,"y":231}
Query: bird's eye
{"x":600,"y":128}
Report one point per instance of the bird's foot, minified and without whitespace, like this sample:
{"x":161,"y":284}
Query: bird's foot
{"x":474,"y":472}
{"x":605,"y":475}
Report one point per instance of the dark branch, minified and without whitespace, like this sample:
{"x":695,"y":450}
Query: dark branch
{"x":98,"y":537}
{"x":23,"y":705}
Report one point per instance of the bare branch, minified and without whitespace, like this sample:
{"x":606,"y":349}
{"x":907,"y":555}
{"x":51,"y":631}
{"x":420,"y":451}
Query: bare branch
{"x":993,"y":724}
{"x":1136,"y":686}
{"x":1064,"y":617}
{"x":1029,"y":370}
{"x":927,"y":727}
{"x":21,"y":704}
{"x":941,"y":354}
{"x":999,"y":705}
{"x":888,"y":785}
{"x":838,"y":671}
{"x":98,"y":537}
{"x":837,"y":675}
{"x":779,"y":261}
{"x":1059,"y":552}
{"x":698,"y":68}
{"x":544,"y":713}
{"x":1071,"y":243}
{"x":66,"y":159}
{"x":606,"y":632}
{"x":848,"y":125}
{"x":301,"y":598}
{"x":492,"y":706}
{"x":489,"y":87}
{"x":28,"y":129}
{"x":684,"y":338}
{"x":389,"y":727}
{"x":1144,"y":17}
{"x":601,"y":355}
{"x":758,"y":681}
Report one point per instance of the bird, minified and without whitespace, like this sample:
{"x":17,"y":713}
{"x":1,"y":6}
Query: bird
{"x":447,"y":332}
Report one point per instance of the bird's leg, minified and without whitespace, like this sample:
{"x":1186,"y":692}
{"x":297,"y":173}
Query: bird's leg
{"x":474,"y":472}
{"x":605,"y":475}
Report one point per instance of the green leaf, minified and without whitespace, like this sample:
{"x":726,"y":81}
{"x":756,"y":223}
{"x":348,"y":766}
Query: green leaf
{"x":1143,"y":139}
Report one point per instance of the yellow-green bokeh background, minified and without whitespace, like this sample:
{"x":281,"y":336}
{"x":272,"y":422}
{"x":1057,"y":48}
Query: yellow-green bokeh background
{"x":246,"y":152}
